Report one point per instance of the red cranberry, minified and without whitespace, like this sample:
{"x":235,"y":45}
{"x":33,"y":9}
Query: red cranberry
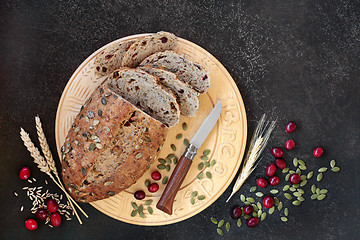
{"x":156,"y":175}
{"x":277,"y":152}
{"x":268,"y":202}
{"x":273,"y":181}
{"x":290,"y":127}
{"x":271,"y":170}
{"x":24,"y":173}
{"x":294,"y":178}
{"x":31,"y":224}
{"x":252,"y":222}
{"x":280,"y":163}
{"x":55,"y":219}
{"x":236,"y":212}
{"x":139,"y":195}
{"x":262,"y":182}
{"x":41,"y":214}
{"x":318,"y":152}
{"x":290,"y":144}
{"x":248,"y":209}
{"x":52,"y":205}
{"x":153,"y":187}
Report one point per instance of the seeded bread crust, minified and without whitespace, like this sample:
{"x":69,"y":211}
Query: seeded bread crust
{"x":185,"y":96}
{"x":146,"y":46}
{"x":142,"y":89}
{"x":188,"y":72}
{"x":109,"y":146}
{"x":110,"y":59}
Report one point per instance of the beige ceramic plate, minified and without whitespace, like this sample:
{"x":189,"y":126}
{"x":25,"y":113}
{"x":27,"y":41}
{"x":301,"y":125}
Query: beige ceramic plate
{"x":226,"y":141}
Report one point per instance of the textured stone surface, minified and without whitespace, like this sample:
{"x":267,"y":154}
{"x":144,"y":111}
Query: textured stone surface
{"x":295,"y":60}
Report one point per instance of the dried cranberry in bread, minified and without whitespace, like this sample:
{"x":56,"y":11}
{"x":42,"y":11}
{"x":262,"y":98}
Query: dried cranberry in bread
{"x":109,"y":146}
{"x":142,"y":89}
{"x":185,"y":96}
{"x":110,"y":59}
{"x":146,"y":46}
{"x":188,"y":72}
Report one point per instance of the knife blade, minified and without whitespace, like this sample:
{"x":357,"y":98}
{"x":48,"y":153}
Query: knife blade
{"x":166,"y":200}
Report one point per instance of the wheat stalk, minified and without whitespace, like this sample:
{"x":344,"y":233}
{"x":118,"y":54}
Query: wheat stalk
{"x":258,"y":143}
{"x":50,"y":160}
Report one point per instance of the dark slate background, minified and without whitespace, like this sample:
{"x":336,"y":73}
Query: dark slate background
{"x":294,"y":60}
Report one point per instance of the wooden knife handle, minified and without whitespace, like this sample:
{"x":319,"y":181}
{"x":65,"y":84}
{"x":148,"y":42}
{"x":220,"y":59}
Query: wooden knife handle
{"x":165,"y":203}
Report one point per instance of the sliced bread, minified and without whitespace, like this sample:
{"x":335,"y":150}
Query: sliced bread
{"x":110,"y":59}
{"x":185,"y":96}
{"x":189,"y":72}
{"x":142,"y":89}
{"x":146,"y":46}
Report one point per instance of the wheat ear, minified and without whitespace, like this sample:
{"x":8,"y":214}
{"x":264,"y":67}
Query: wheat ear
{"x":258,"y":143}
{"x":50,"y":160}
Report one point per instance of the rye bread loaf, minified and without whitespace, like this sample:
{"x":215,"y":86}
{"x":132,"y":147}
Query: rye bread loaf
{"x":142,"y":89}
{"x":188,"y":72}
{"x":185,"y":96}
{"x":146,"y":46}
{"x":110,"y":59}
{"x":109,"y":146}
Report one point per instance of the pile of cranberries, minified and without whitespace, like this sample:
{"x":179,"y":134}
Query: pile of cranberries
{"x":42,"y":214}
{"x":153,"y":187}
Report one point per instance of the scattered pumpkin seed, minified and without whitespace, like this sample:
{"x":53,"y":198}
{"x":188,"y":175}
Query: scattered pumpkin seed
{"x":314,"y":196}
{"x":186,"y":142}
{"x":212,"y":163}
{"x":194,"y":194}
{"x":302,"y":177}
{"x":303,"y":183}
{"x":103,"y":101}
{"x":208,"y":175}
{"x":111,"y":193}
{"x":280,"y":206}
{"x":204,"y":158}
{"x":214,"y":220}
{"x":258,"y":204}
{"x":271,"y":210}
{"x":139,"y":155}
{"x":170,"y":156}
{"x":148,"y":202}
{"x":162,"y":161}
{"x":301,"y":162}
{"x":148,"y":139}
{"x":219,"y":231}
{"x":108,"y":183}
{"x":284,"y":219}
{"x":242,"y":197}
{"x":200,"y":175}
{"x":301,"y":198}
{"x":255,"y":207}
{"x":317,"y":191}
{"x":263,"y":216}
{"x":175,"y":160}
{"x":221,"y":222}
{"x":168,"y":160}
{"x":141,"y":208}
{"x":133,"y":213}
{"x":192,"y":201}
{"x":137,"y":147}
{"x":323,"y":169}
{"x":179,"y":136}
{"x":227,"y":226}
{"x":323,"y":191}
{"x":313,"y":188}
{"x":321,"y":197}
{"x":92,"y":146}
{"x":287,"y":177}
{"x":250,"y":199}
{"x":206,"y":152}
{"x":286,"y":212}
{"x":247,"y":216}
{"x":297,"y":194}
{"x":134,"y":205}
{"x":302,"y":167}
{"x":292,"y":189}
{"x":201,"y":166}
{"x":72,"y":186}
{"x":298,"y":171}
{"x":141,"y":214}
{"x":99,"y":112}
{"x":201,"y":197}
{"x":101,"y":90}
{"x":288,"y":196}
{"x":259,"y":194}
{"x":310,"y":174}
{"x":319,"y":177}
{"x":90,"y":114}
{"x":335,"y":169}
{"x":161,"y":166}
{"x":274,"y":191}
{"x":164,"y":181}
{"x":173,"y":147}
{"x":253,"y":189}
{"x":259,"y":212}
{"x":238,"y":223}
{"x":99,"y":145}
{"x":83,"y":171}
{"x":147,"y":183}
{"x":296,"y":185}
{"x":291,"y":171}
{"x":295,"y":162}
{"x":285,"y":170}
{"x":296,"y":202}
{"x":301,"y":191}
{"x":207,"y":164}
{"x":184,"y":126}
{"x":247,"y":203}
{"x":150,"y":210}
{"x":276,"y":201}
{"x":254,"y":214}
{"x":286,"y":187}
{"x":332,"y":163}
{"x":167,"y":168}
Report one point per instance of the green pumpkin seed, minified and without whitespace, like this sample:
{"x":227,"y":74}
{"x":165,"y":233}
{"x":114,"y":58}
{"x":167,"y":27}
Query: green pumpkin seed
{"x":201,"y":197}
{"x":254,"y":214}
{"x":205,"y":158}
{"x":192,"y":201}
{"x":247,"y":216}
{"x":276,"y":201}
{"x":284,"y":219}
{"x":133,"y":213}
{"x":274,"y":191}
{"x":175,"y":160}
{"x":288,"y":196}
{"x":208,"y":175}
{"x":83,"y":171}
{"x":242,"y":198}
{"x":206,"y":152}
{"x":335,"y":169}
{"x":263,"y":216}
{"x":309,"y":175}
{"x":184,"y":126}
{"x":287,"y":177}
{"x":72,"y":186}
{"x":103,"y":101}
{"x":141,"y":214}
{"x":207,"y":164}
{"x":194,"y":194}
{"x":302,"y":177}
{"x":179,"y":136}
{"x":108,"y":183}
{"x":301,"y":191}
{"x":301,"y":198}
{"x":323,"y":169}
{"x":321,"y":197}
{"x":259,"y":212}
{"x":280,"y":206}
{"x":212,"y":163}
{"x":250,"y":199}
{"x":255,"y":207}
{"x":186,"y":142}
{"x":314,"y":196}
{"x":332,"y":163}
{"x":221,"y":222}
{"x":271,"y":210}
{"x":220,"y":232}
{"x":134,"y":205}
{"x":227,"y":226}
{"x":173,"y":147}
{"x":170,"y":156}
{"x":303,"y":183}
{"x":317,"y":191}
{"x":259,"y":194}
{"x":291,"y":171}
{"x":253,"y":189}
{"x":141,"y":208}
{"x":164,"y":181}
{"x":298,"y":171}
{"x":150,"y":210}
{"x":258,"y":204}
{"x":323,"y":191}
{"x":161,"y":166}
{"x":214,"y":220}
{"x":302,"y":167}
{"x":319,"y":177}
{"x":285,"y":170}
{"x":286,"y":187}
{"x":148,"y":202}
{"x":90,"y":114}
{"x":301,"y":162}
{"x":292,"y":189}
{"x":296,"y":185}
{"x":295,"y":162}
{"x":98,"y":146}
{"x":297,"y":194}
{"x":92,"y":147}
{"x":147,"y":183}
{"x":168,"y":160}
{"x":167,"y":168}
{"x":247,"y":203}
{"x":238,"y":223}
{"x":139,"y":155}
{"x":296,"y":202}
{"x":111,"y":193}
{"x":200,"y":175}
{"x":286,"y":212}
{"x":313,"y":188}
{"x":201,"y":166}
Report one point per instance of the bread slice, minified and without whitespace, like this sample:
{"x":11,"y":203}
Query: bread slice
{"x":142,"y":90}
{"x":110,"y":59}
{"x":109,"y":146}
{"x":146,"y":46}
{"x":188,"y":72}
{"x":185,"y":96}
